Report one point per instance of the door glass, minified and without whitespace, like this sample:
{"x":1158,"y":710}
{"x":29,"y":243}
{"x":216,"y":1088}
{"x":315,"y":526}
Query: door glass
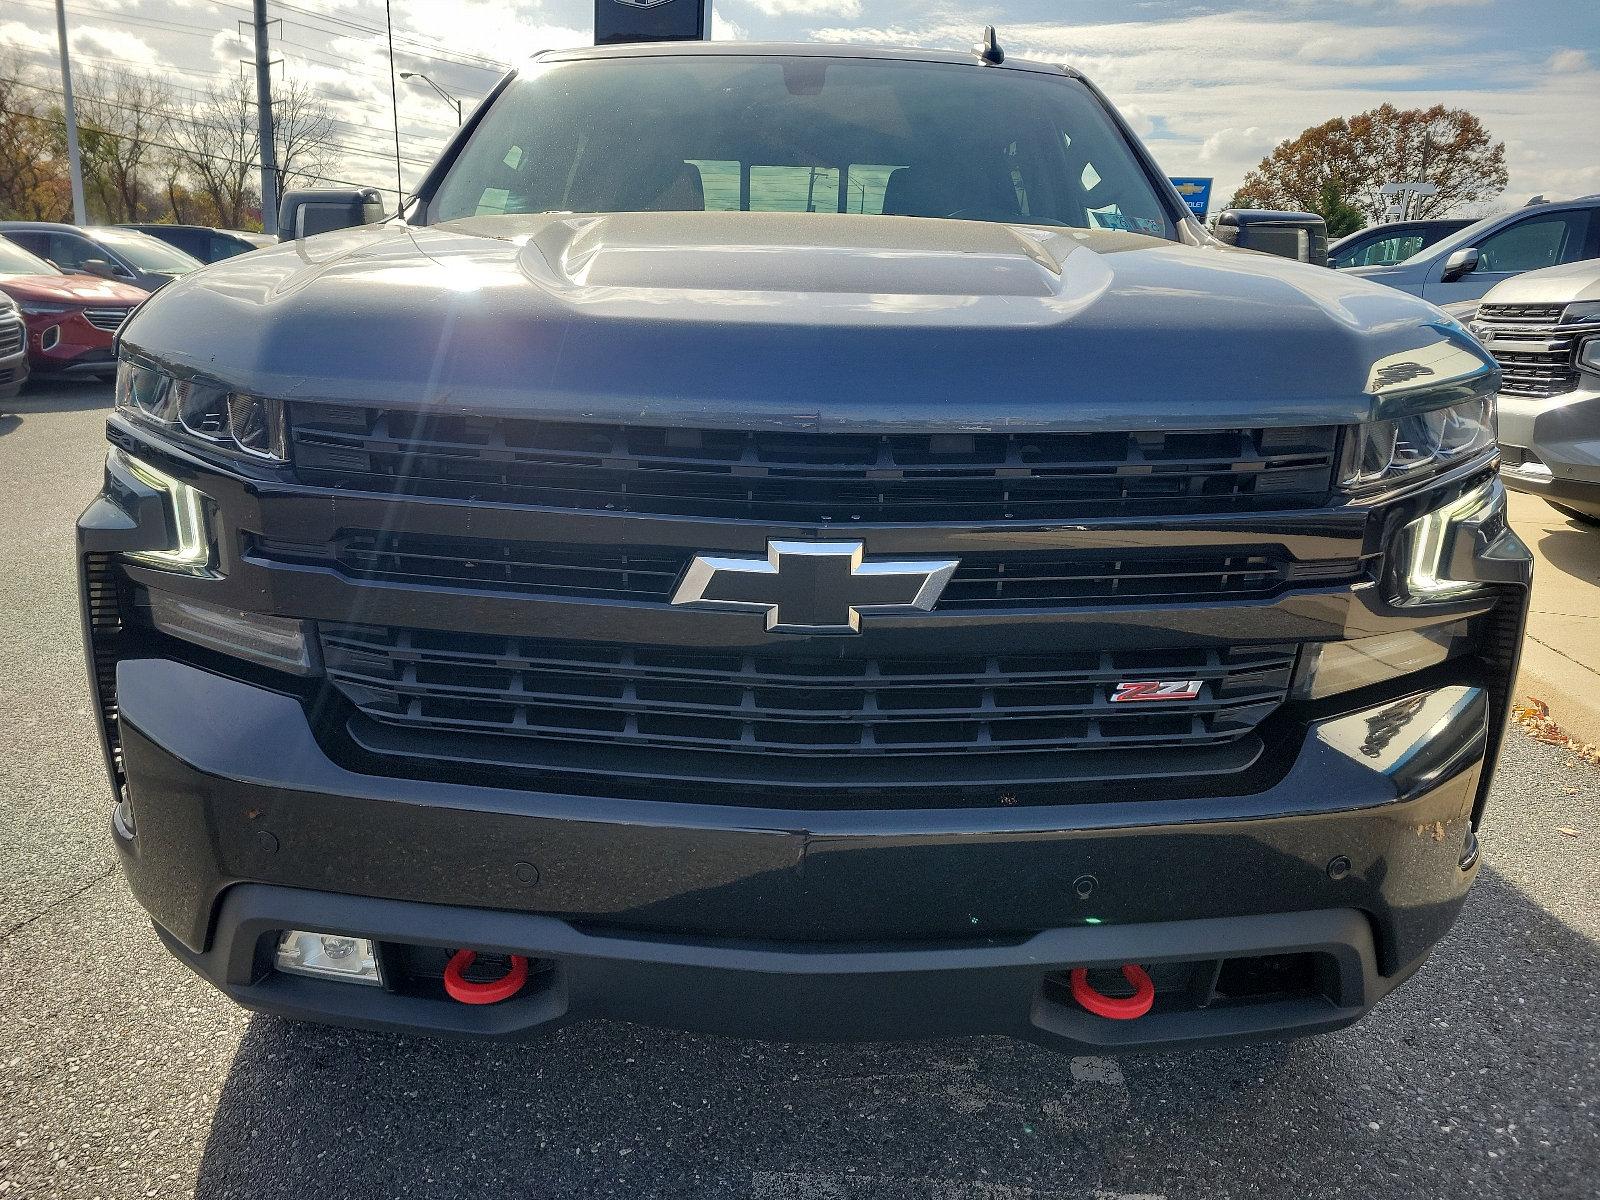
{"x":70,"y":253}
{"x":1537,"y":242}
{"x":1386,"y":251}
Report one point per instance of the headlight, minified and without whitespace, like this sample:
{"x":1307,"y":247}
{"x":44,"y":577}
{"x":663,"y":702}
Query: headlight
{"x":203,"y":410}
{"x":1586,"y":312}
{"x":35,"y":308}
{"x":1382,"y":452}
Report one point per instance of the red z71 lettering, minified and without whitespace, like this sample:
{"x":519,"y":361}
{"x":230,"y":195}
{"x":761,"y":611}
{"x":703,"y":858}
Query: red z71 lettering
{"x":1155,"y":689}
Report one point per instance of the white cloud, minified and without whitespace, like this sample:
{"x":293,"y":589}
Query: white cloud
{"x":115,"y":44}
{"x":1229,"y":86}
{"x":1565,"y":62}
{"x":808,"y":8}
{"x":23,"y":37}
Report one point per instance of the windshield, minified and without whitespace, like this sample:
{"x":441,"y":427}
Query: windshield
{"x":800,"y":134}
{"x":145,"y":252}
{"x":14,"y":260}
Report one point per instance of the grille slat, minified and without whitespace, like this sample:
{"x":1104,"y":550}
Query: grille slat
{"x":789,"y":476}
{"x":12,"y":335}
{"x":109,"y":319}
{"x":750,"y":704}
{"x":1533,"y":348}
{"x":984,"y":579}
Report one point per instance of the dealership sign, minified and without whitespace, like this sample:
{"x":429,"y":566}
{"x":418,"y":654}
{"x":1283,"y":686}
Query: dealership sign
{"x":1196,"y":194}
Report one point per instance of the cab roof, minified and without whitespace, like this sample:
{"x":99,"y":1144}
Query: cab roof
{"x":965,"y":58}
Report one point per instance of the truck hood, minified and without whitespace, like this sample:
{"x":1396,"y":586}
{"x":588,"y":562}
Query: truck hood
{"x":795,"y":321}
{"x":1565,"y":284}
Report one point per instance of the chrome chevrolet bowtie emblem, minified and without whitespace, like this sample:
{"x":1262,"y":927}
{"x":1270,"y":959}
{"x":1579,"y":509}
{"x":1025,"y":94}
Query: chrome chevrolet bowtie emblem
{"x":813,"y":587}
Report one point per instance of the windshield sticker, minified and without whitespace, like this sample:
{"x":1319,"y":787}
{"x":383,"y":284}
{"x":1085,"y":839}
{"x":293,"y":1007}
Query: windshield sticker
{"x":1110,"y":220}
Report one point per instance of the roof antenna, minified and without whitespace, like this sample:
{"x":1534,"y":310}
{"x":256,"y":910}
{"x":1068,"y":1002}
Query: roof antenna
{"x":989,"y":52}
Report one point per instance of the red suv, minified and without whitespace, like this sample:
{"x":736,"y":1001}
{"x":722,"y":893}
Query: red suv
{"x":72,"y":320}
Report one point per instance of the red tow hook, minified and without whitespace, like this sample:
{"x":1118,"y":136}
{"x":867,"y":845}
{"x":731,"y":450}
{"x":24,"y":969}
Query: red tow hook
{"x":467,"y":992}
{"x":1115,"y":1008}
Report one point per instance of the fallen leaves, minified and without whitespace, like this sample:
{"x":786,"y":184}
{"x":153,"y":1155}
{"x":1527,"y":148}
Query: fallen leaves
{"x":1532,"y":716}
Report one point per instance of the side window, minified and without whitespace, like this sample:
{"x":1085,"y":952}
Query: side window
{"x":70,"y":253}
{"x":865,"y":185}
{"x":1542,"y":241}
{"x":221,"y":248}
{"x":33,"y":243}
{"x":719,"y":179}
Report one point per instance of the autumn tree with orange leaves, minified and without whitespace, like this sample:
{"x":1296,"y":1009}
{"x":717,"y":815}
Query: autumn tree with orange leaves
{"x":1350,"y":158}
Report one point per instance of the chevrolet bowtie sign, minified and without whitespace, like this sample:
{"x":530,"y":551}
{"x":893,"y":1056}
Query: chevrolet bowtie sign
{"x":813,"y":587}
{"x":651,"y":21}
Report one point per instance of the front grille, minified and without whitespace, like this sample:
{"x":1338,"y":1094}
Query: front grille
{"x":11,"y":336}
{"x":776,"y":704}
{"x":786,"y":476}
{"x":109,"y":319}
{"x":984,"y":579}
{"x":1533,"y":348}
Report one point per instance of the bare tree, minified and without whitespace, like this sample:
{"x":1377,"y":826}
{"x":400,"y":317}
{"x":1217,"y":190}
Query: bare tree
{"x":123,"y":117}
{"x":302,"y":131}
{"x":217,"y":140}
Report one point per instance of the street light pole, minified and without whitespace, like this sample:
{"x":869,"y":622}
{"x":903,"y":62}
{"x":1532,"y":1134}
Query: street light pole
{"x":69,"y":114}
{"x":444,"y":95}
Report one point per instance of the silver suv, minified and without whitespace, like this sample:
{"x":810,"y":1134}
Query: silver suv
{"x":1465,"y":265}
{"x":1544,"y":329}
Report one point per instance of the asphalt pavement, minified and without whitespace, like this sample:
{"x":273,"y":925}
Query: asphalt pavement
{"x":121,"y":1075}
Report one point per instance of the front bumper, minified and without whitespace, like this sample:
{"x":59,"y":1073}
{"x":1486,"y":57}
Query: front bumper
{"x":1555,"y":445}
{"x":729,"y":919}
{"x":67,"y":344}
{"x":1346,"y":847}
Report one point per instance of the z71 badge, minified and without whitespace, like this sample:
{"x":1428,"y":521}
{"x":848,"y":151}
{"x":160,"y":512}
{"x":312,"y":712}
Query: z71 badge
{"x":1130,"y":690}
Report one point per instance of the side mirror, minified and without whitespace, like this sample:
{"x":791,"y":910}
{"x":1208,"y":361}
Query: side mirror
{"x":1297,"y":235}
{"x":308,"y":211}
{"x":1461,"y":262}
{"x":100,"y":267}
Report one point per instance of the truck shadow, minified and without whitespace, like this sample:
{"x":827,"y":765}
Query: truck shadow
{"x":606,"y":1109}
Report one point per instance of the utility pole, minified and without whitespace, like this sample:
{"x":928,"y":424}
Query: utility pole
{"x":394,"y":100}
{"x":80,"y":211}
{"x":269,"y":149}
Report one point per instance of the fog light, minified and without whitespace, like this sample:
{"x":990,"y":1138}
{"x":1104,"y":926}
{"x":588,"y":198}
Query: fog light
{"x":1328,"y":668}
{"x":276,"y":642}
{"x":328,"y":956}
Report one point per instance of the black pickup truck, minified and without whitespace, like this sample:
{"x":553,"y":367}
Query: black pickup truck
{"x":801,"y":542}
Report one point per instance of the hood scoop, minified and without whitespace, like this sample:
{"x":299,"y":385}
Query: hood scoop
{"x":791,"y":253}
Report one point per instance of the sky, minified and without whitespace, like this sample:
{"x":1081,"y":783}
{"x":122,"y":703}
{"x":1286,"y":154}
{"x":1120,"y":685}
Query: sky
{"x":1210,"y":87}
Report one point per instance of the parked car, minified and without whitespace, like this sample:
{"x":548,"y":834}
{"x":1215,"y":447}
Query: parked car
{"x":72,"y":320}
{"x":204,"y":243}
{"x":13,"y":348}
{"x":804,"y":542}
{"x":1467,"y":263}
{"x":121,"y":255}
{"x":1544,"y":328}
{"x":1390,"y":243}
